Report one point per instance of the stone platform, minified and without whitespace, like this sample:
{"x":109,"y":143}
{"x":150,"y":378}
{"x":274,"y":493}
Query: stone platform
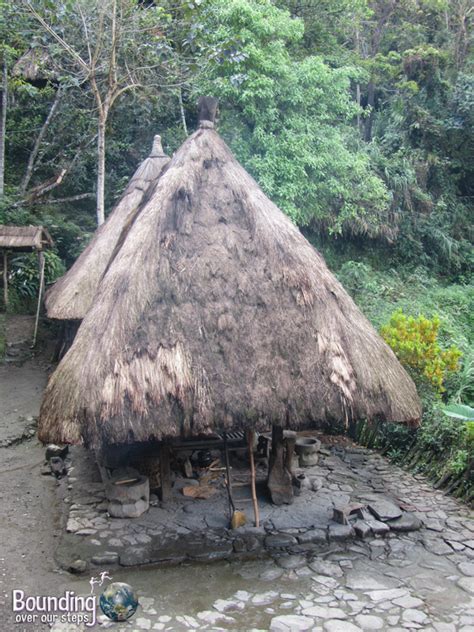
{"x":191,"y":529}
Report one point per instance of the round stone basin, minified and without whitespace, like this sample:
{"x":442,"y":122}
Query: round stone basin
{"x":307,"y":445}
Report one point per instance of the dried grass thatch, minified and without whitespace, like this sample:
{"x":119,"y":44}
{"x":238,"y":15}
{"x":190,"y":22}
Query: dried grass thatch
{"x":24,"y":237}
{"x":34,"y":65}
{"x":217,"y":313}
{"x":71,"y":296}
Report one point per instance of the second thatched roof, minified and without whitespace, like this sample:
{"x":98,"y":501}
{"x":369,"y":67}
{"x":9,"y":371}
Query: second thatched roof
{"x":216,"y":313}
{"x":71,"y":296}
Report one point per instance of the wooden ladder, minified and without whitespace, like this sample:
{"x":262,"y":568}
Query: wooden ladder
{"x":250,"y":435}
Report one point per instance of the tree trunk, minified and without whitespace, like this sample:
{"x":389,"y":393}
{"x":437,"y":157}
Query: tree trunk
{"x":36,"y":147}
{"x":101,"y":171}
{"x":181,"y":111}
{"x":3,"y":125}
{"x":370,"y":118}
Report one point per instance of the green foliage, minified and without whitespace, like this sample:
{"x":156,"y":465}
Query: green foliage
{"x":289,"y":120}
{"x":24,"y":274}
{"x":459,"y":411}
{"x":415,"y":343}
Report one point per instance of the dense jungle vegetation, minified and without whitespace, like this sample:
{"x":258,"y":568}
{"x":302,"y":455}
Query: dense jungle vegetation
{"x":354,"y":116}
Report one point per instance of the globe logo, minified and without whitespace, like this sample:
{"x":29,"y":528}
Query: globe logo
{"x":118,"y":601}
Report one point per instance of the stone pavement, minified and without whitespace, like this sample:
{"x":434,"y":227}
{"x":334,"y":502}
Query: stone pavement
{"x":329,"y":581}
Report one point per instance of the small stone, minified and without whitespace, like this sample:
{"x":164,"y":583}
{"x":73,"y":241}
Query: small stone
{"x":324,"y":567}
{"x":371,"y":581}
{"x":340,"y":532}
{"x":387,"y":595}
{"x":280,"y":540}
{"x":325,"y":613}
{"x":377,"y":527}
{"x":264,"y":599}
{"x":291,"y":623}
{"x":438,"y":547}
{"x":467,"y":568}
{"x":186,"y":620}
{"x":328,"y":582}
{"x":271,"y":574}
{"x":384,"y":510}
{"x":408,"y":522}
{"x":108,"y":557}
{"x":441,"y":626}
{"x":408,"y":602}
{"x":142,"y":623}
{"x":213,"y":617}
{"x":414,"y":616}
{"x":78,"y":566}
{"x":369,"y":622}
{"x":291,"y":562}
{"x":72,"y":525}
{"x":467,"y":584}
{"x":223,"y":605}
{"x":242,"y":595}
{"x":56,"y":450}
{"x":340,"y":626}
{"x":86,"y":532}
{"x":317,"y":536}
{"x":362,"y":528}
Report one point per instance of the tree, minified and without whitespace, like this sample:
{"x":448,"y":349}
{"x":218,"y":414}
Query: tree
{"x":289,"y":120}
{"x":111,"y":47}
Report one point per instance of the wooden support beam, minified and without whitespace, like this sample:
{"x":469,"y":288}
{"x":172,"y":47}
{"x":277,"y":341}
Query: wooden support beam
{"x":250,"y":439}
{"x":5,"y":278}
{"x":40,"y":293}
{"x":165,"y":471}
{"x":279,"y":477}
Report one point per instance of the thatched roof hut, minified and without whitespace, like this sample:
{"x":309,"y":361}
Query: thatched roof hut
{"x":71,"y":296}
{"x":217,"y":313}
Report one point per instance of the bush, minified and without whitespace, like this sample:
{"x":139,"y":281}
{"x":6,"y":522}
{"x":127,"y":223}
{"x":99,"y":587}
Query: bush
{"x":416,"y":344}
{"x":24,"y":273}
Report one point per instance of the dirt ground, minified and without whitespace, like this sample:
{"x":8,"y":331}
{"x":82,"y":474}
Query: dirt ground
{"x":29,"y":513}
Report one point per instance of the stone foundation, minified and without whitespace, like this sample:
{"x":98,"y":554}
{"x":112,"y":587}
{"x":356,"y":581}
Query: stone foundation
{"x":189,"y":529}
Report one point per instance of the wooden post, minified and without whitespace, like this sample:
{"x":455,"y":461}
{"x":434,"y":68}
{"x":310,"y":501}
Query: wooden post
{"x":40,"y":293}
{"x":229,"y":480}
{"x":279,"y":478}
{"x":250,"y":439}
{"x":5,"y":278}
{"x":165,"y":472}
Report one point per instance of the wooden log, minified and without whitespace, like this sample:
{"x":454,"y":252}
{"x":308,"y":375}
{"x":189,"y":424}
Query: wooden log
{"x":250,"y":439}
{"x":40,"y":294}
{"x":165,"y":471}
{"x":279,"y":478}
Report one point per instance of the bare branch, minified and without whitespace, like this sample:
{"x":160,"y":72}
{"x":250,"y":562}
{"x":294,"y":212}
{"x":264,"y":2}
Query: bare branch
{"x":75,"y":55}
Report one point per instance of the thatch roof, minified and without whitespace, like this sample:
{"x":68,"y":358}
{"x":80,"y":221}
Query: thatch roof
{"x":34,"y":65}
{"x":71,"y":296}
{"x":24,"y":237}
{"x":217,"y":313}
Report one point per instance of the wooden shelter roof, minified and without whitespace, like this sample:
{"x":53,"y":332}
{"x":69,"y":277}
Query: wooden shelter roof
{"x":24,"y":237}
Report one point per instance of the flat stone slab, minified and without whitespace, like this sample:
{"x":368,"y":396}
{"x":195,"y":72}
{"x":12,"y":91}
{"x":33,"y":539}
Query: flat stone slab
{"x":384,"y":510}
{"x":291,"y":623}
